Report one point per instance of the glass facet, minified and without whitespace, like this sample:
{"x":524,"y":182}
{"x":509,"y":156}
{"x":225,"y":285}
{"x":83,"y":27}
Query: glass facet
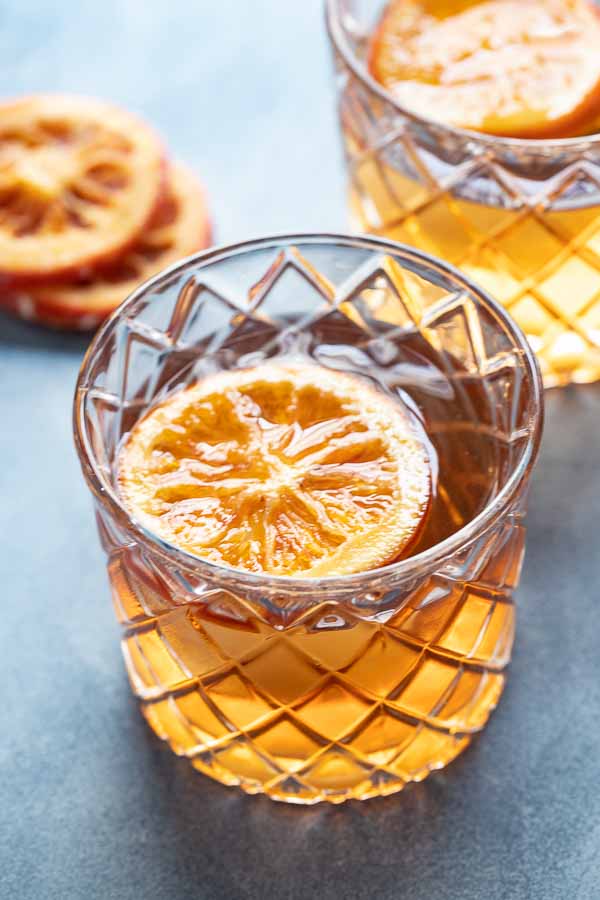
{"x":337,"y":688}
{"x":522,"y":218}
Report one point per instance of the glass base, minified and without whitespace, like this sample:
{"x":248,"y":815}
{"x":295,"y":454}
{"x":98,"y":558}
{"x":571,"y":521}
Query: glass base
{"x":332,"y":708}
{"x":344,"y":780}
{"x":337,"y":772}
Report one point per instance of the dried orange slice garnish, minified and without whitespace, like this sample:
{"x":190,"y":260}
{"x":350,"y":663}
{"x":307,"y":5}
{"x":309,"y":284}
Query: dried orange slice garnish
{"x":289,"y":470}
{"x":520,"y":68}
{"x":79,"y":180}
{"x":180,"y":226}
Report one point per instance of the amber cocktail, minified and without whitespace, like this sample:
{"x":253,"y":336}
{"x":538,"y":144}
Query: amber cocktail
{"x":325,"y":687}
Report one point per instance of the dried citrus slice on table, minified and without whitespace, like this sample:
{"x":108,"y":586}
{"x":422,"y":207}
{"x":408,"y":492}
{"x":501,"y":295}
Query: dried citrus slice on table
{"x":520,"y":68}
{"x":289,"y":470}
{"x":79,"y":180}
{"x":179,"y":226}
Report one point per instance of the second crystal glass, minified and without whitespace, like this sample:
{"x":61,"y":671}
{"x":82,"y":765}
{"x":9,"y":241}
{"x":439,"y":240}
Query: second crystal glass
{"x":340,"y":687}
{"x":521,"y":217}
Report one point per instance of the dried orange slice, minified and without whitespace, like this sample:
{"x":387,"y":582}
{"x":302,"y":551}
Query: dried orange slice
{"x":180,"y":226}
{"x":79,"y":180}
{"x":520,"y":68}
{"x":289,"y":470}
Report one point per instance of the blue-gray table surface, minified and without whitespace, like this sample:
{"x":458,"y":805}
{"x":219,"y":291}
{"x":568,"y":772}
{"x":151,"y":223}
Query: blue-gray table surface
{"x":91,"y":804}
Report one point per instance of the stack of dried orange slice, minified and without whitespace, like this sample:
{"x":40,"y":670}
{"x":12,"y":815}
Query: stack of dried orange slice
{"x":89,"y":208}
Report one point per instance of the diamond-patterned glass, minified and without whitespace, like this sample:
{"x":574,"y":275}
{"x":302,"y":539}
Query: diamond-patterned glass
{"x":522,"y":218}
{"x":321,"y":690}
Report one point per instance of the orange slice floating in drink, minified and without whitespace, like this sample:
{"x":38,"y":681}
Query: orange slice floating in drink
{"x":179,"y":226}
{"x":289,"y":470}
{"x":519,"y":68}
{"x":79,"y":180}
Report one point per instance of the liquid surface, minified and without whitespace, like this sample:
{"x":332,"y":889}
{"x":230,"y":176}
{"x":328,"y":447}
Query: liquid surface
{"x":519,"y":68}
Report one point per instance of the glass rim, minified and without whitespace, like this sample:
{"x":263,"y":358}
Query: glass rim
{"x":357,"y":67}
{"x":385,"y":576}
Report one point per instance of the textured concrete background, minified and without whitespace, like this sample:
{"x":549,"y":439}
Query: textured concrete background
{"x":91,"y":805}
